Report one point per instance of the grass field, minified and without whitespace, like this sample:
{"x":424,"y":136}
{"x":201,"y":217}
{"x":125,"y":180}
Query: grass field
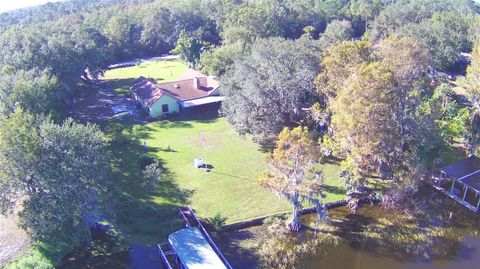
{"x":229,"y":188}
{"x":161,"y":71}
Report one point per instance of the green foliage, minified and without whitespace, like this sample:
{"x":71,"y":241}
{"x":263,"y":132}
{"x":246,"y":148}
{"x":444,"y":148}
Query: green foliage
{"x":247,"y":23}
{"x":376,"y":90}
{"x":336,"y":32}
{"x":219,"y":60}
{"x":265,"y":90}
{"x":190,"y":48}
{"x":445,"y":36}
{"x":152,"y":174}
{"x":34,"y":92}
{"x":402,"y":13}
{"x":366,"y":9}
{"x":44,"y":255}
{"x":217,"y":221}
{"x":473,"y":78}
{"x":59,"y":169}
{"x":291,"y":172}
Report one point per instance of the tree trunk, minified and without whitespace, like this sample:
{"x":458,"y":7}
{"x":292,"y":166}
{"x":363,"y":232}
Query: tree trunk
{"x":295,"y":224}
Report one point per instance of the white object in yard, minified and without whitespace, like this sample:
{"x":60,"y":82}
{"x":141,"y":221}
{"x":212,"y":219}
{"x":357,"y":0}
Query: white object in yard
{"x":198,"y":162}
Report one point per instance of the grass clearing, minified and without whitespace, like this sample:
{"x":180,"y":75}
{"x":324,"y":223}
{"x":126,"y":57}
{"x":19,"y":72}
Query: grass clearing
{"x":230,"y":188}
{"x":161,"y":71}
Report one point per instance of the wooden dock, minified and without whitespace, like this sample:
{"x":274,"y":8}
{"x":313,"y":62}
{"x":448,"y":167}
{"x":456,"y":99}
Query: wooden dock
{"x":460,"y":181}
{"x":184,"y":244}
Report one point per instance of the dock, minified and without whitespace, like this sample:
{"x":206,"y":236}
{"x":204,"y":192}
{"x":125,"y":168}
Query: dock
{"x":460,"y":181}
{"x":191,"y":247}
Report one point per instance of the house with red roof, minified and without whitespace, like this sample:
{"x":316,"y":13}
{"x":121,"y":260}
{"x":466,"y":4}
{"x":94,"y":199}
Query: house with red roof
{"x":192,"y":90}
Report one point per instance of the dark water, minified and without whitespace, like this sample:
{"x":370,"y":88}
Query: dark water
{"x":446,"y":236}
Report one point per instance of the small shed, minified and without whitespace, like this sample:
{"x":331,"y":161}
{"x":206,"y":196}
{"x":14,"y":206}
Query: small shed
{"x":461,"y":181}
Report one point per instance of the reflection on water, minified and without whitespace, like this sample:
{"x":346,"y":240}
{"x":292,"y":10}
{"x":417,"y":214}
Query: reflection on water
{"x":445,"y":236}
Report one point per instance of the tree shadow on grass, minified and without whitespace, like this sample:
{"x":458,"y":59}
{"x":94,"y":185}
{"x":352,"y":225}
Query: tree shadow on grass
{"x":333,"y":189}
{"x":147,"y":215}
{"x":172,"y":124}
{"x":116,"y":83}
{"x":236,"y":255}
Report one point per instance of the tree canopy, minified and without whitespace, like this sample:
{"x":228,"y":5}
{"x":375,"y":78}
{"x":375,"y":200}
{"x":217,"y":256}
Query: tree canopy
{"x":57,"y":171}
{"x":266,"y":89}
{"x":291,"y":172}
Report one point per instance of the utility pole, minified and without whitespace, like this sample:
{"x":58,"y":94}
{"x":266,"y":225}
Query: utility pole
{"x":204,"y":144}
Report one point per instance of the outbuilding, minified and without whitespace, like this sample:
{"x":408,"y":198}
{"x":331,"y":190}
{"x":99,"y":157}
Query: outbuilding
{"x":461,"y":182}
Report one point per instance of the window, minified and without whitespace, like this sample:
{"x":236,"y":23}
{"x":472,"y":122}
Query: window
{"x":165,"y":108}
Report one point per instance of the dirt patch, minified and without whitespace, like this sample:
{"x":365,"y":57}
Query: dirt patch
{"x":102,"y":102}
{"x":13,"y":240}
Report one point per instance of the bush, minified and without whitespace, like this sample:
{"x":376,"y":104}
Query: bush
{"x":146,"y":160}
{"x":217,"y":222}
{"x":152,"y":175}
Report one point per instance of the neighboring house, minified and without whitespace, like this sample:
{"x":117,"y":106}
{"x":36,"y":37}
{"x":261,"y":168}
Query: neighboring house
{"x":193,"y":90}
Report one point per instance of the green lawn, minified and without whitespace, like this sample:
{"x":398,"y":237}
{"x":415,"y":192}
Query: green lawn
{"x":161,"y":71}
{"x":230,"y":187}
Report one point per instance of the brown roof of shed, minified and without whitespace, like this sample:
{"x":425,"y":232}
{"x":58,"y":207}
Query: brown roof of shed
{"x":150,"y":91}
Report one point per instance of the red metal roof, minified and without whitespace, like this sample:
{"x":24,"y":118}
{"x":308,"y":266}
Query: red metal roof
{"x":150,"y":91}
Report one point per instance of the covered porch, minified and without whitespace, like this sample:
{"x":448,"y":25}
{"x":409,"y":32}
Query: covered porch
{"x":461,"y":182}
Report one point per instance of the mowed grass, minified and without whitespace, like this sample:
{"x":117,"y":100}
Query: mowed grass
{"x":161,"y":71}
{"x":230,"y":187}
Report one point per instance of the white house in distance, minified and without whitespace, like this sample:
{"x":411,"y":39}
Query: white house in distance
{"x":193,"y":89}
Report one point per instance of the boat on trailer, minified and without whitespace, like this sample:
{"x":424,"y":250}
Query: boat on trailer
{"x":191,"y":247}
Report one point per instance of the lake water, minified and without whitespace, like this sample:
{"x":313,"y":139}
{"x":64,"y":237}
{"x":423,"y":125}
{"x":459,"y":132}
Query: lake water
{"x":453,"y":244}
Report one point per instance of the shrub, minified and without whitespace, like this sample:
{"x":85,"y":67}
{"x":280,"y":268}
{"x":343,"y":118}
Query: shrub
{"x":218,"y":221}
{"x":152,"y":174}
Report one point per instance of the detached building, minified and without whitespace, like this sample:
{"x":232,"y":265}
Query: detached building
{"x":461,"y":182}
{"x":159,"y":99}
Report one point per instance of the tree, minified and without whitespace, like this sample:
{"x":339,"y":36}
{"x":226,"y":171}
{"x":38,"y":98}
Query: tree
{"x":401,"y":13}
{"x":338,"y":64}
{"x":366,"y":9}
{"x":58,"y":172}
{"x":373,"y":102}
{"x":123,"y":33}
{"x":219,"y":60}
{"x":34,"y":92}
{"x":247,"y":23}
{"x":336,"y":32}
{"x":473,"y":78}
{"x":445,"y":34}
{"x":290,"y":171}
{"x":159,"y":33}
{"x":265,"y":90}
{"x":189,"y":47}
{"x":362,"y":119}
